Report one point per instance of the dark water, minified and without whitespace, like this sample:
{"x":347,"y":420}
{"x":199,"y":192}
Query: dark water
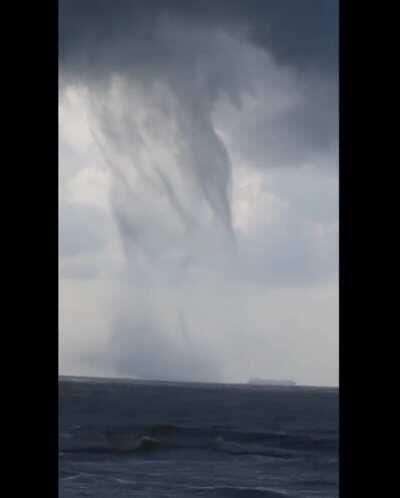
{"x":131,"y":439}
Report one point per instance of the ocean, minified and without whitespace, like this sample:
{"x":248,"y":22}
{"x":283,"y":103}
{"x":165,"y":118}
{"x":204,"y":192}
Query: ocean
{"x":123,"y":438}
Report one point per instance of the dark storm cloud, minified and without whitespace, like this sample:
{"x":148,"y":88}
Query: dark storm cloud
{"x":302,"y":33}
{"x":172,"y":41}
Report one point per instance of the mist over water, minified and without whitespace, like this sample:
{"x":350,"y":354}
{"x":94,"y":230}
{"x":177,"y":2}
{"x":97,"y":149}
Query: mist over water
{"x":170,"y":197}
{"x":159,"y":224}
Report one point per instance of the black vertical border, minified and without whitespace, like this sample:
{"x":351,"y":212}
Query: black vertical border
{"x":36,"y":172}
{"x":29,"y":184}
{"x":347,"y":388}
{"x":32,"y":242}
{"x":49,"y":203}
{"x":368,"y":258}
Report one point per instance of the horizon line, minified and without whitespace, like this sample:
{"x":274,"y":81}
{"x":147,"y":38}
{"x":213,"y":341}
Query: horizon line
{"x":244,"y":383}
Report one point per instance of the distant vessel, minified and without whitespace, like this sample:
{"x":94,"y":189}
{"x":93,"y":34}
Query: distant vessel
{"x":270,"y":382}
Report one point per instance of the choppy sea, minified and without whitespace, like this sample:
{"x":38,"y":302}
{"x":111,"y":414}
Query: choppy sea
{"x":123,"y":438}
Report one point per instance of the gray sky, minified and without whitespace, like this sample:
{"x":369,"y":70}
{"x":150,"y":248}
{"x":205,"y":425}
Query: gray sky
{"x":199,"y":189}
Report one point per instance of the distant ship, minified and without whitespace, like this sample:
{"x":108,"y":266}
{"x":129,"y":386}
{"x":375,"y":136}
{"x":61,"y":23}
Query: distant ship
{"x":270,"y":382}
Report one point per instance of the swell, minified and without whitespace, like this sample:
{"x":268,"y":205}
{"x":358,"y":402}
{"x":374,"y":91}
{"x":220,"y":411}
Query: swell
{"x":139,"y":439}
{"x":327,"y":440}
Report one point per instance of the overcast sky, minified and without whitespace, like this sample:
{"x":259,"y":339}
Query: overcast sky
{"x":198,"y":211}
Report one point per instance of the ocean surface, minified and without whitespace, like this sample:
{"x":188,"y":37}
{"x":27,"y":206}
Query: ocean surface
{"x":150,"y":439}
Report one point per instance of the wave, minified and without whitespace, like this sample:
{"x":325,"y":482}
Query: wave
{"x":289,"y":441}
{"x":140,"y":444}
{"x":133,"y":439}
{"x":238,"y":491}
{"x":234,"y":448}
